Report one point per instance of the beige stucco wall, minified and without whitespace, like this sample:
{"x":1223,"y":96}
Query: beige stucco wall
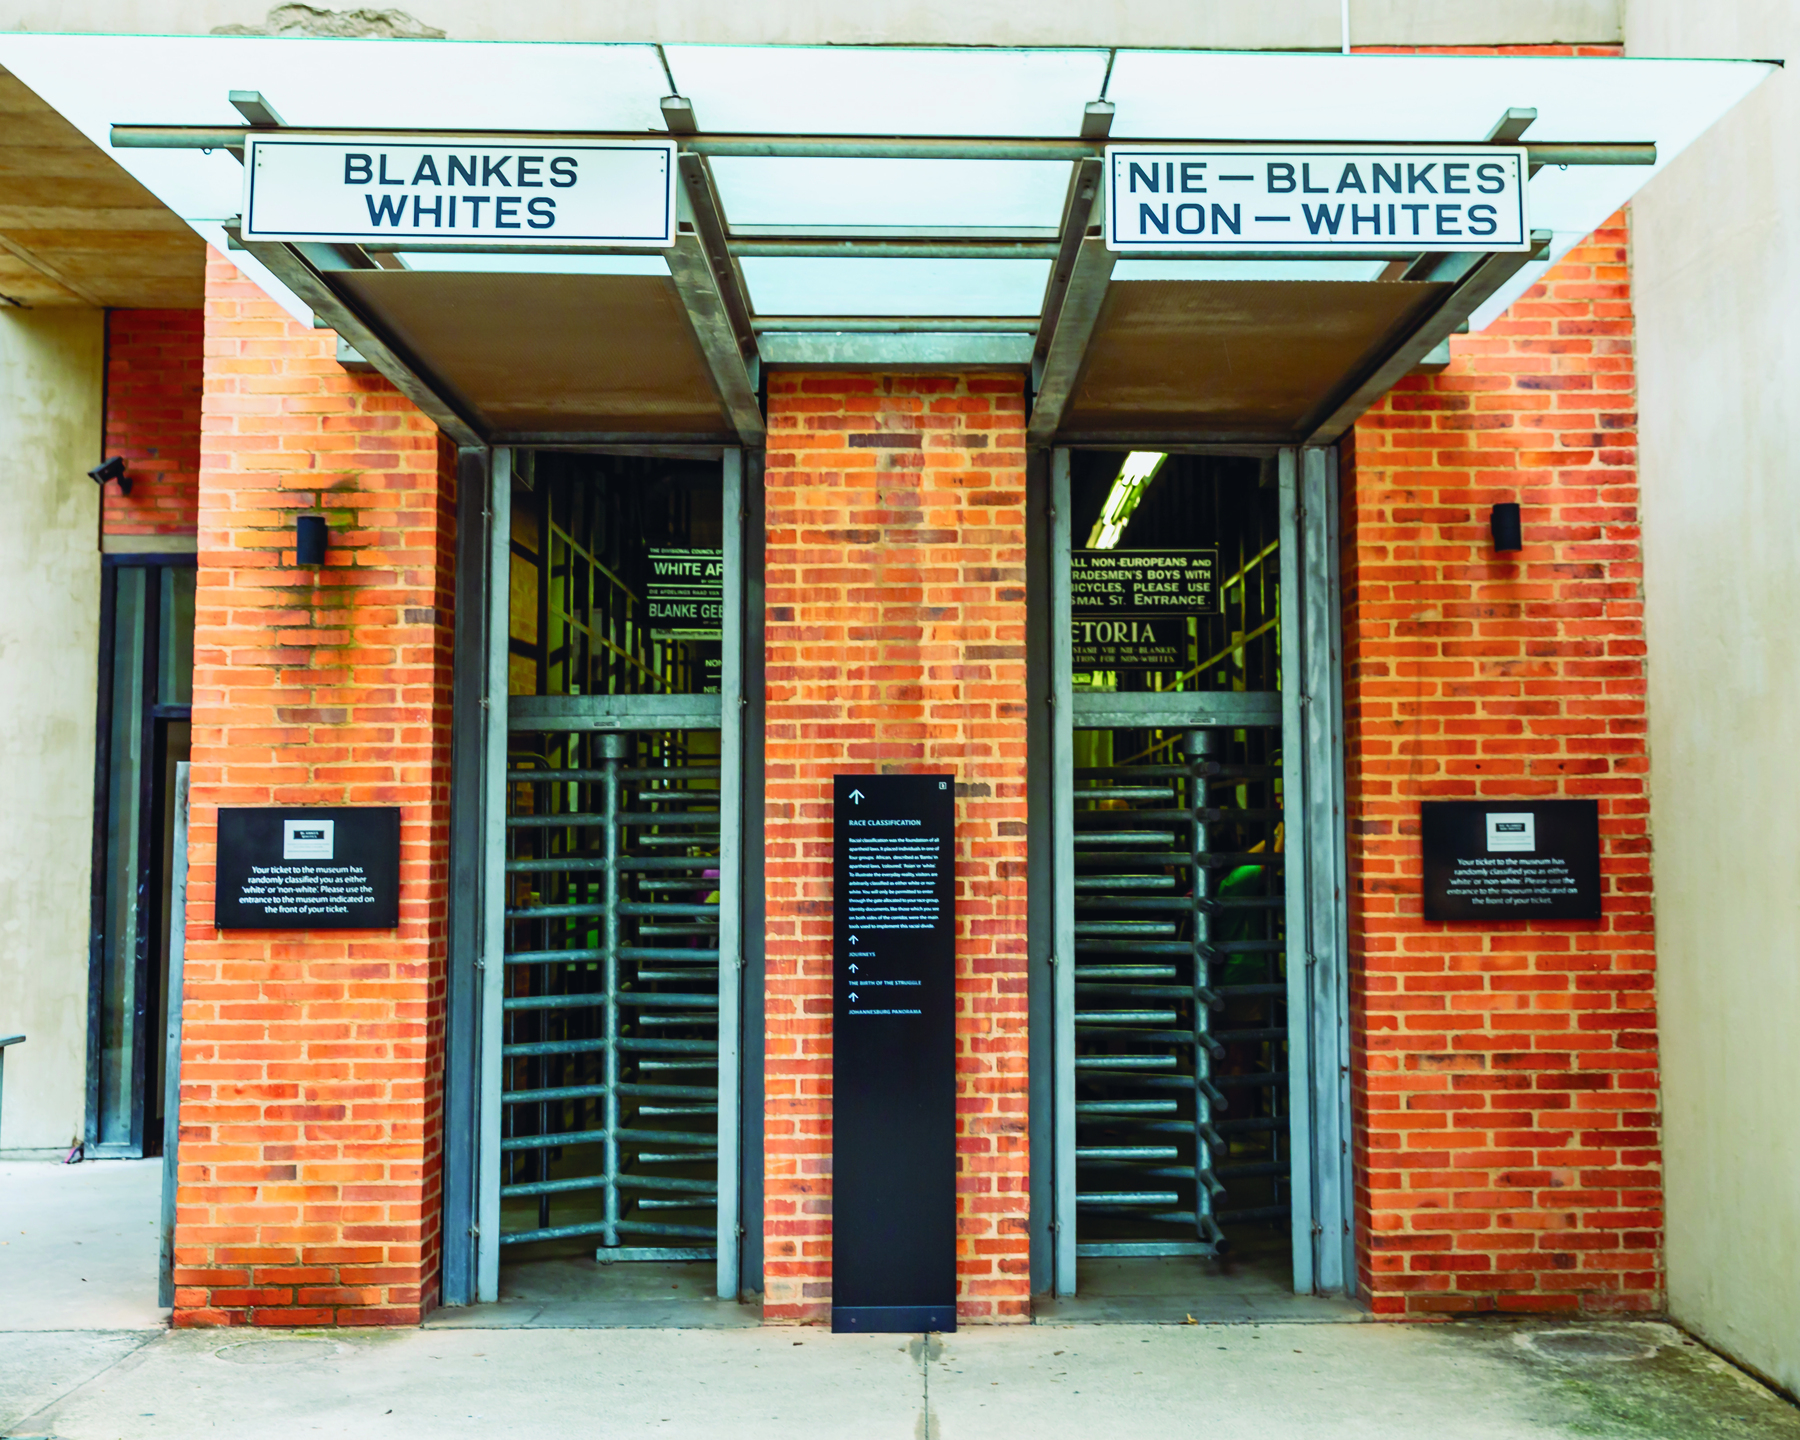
{"x":51,"y":364}
{"x":1716,"y":255}
{"x":1221,"y":24}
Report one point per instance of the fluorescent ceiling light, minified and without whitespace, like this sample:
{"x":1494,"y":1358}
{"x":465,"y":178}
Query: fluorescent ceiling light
{"x":513,"y":262}
{"x":1133,"y":480}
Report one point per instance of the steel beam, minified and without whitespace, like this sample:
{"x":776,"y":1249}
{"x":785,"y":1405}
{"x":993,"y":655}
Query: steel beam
{"x":1068,"y":341}
{"x":865,"y":147}
{"x":896,"y":324}
{"x":974,"y":248}
{"x":1473,"y":278}
{"x":712,"y":292}
{"x":1078,"y":210}
{"x":906,"y":349}
{"x":400,"y":370}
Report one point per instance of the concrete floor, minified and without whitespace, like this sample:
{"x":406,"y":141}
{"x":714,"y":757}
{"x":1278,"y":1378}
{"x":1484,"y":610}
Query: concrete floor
{"x":84,"y":1355}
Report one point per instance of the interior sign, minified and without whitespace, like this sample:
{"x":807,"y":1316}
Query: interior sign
{"x":685,"y":593}
{"x":1221,"y":198}
{"x":1129,"y":608}
{"x":520,"y":192}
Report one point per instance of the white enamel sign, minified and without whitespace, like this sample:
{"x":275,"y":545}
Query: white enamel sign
{"x":1219,"y":198}
{"x":512,"y":192}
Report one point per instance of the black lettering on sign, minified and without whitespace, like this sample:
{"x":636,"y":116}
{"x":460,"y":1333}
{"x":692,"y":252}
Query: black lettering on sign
{"x":684,"y":593}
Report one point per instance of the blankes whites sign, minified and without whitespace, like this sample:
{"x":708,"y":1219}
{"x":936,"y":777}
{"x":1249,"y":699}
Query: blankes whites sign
{"x":519,"y":192}
{"x":1221,"y":198}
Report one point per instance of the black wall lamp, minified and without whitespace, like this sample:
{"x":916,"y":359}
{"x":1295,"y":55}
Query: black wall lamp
{"x":113,"y":469}
{"x":1505,"y":524}
{"x":309,"y":539}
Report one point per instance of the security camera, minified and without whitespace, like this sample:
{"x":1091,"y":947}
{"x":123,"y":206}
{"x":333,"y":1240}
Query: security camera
{"x":113,"y":469}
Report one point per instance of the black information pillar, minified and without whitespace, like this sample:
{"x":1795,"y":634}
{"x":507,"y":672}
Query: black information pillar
{"x":893,"y":1147}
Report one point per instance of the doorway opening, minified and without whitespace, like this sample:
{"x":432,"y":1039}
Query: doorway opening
{"x":616,"y":1145}
{"x":146,"y":697}
{"x":1182,"y":1123}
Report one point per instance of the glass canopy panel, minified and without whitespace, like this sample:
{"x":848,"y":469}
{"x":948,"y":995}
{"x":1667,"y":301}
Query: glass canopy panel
{"x":513,"y":262}
{"x":1248,"y":269}
{"x":855,"y":90}
{"x":831,"y":286}
{"x":829,"y":195}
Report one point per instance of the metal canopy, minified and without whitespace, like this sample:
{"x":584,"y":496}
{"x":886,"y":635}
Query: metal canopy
{"x":882,"y":208}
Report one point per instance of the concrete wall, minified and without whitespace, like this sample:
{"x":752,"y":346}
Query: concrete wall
{"x":1716,"y":247}
{"x":50,"y":393}
{"x":1219,"y":24}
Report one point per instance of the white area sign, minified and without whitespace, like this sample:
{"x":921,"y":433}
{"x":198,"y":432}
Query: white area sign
{"x":1215,"y":199}
{"x":524,"y":191}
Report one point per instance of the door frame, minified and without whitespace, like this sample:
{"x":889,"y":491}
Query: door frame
{"x":1311,"y":719}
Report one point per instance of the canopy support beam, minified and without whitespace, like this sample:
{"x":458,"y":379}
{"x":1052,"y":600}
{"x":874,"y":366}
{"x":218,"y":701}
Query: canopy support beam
{"x":712,"y":292}
{"x":1067,"y":346}
{"x":1475,"y":277}
{"x":333,"y":310}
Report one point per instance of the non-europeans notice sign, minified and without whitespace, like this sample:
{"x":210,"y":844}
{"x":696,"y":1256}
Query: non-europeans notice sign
{"x":893,"y":1147}
{"x":308,"y":868}
{"x":1129,"y":608}
{"x":1511,"y":859}
{"x":518,"y":192}
{"x":1224,"y":198}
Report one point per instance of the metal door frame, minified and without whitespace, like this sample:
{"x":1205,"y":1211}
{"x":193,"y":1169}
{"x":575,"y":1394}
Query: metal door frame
{"x":1313,"y":794}
{"x":473,"y":1124}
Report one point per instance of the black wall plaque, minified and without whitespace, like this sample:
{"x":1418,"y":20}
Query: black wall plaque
{"x":308,"y":867}
{"x":893,"y":1146}
{"x":1511,"y":859}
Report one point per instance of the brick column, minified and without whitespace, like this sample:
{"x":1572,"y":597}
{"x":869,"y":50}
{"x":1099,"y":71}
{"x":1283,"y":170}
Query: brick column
{"x":312,"y":1062}
{"x":895,"y":574}
{"x":153,"y":381}
{"x":1506,"y":1087}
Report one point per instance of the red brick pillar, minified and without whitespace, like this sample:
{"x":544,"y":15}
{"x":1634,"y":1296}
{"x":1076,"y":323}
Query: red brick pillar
{"x":312,"y":1062}
{"x":1506,"y":1084}
{"x":153,"y":379}
{"x":895,"y":574}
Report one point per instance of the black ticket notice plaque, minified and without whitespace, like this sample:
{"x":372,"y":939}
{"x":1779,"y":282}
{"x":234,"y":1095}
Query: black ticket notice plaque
{"x":893,"y":1129}
{"x":1511,"y":859}
{"x":308,"y":868}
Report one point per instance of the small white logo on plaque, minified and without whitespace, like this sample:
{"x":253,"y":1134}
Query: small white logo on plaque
{"x":308,"y":839}
{"x":1516,"y":831}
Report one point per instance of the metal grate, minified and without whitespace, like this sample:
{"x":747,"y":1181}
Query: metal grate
{"x":1180,"y":996}
{"x":610,"y":1090}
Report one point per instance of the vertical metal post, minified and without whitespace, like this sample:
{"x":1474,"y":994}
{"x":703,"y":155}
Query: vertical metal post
{"x":468,"y":863}
{"x":1326,"y":1020}
{"x":171,"y":1157}
{"x":1062,"y":790}
{"x":731,"y":862}
{"x":615,"y":748}
{"x":1198,"y":745}
{"x":1294,"y":786}
{"x":751,"y":910}
{"x":493,"y":947}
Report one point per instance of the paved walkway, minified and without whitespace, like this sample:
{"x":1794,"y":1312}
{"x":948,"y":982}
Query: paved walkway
{"x":83,"y":1356}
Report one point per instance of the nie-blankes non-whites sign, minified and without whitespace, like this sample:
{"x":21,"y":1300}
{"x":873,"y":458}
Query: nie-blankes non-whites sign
{"x":1223,"y":198}
{"x":517,"y":192}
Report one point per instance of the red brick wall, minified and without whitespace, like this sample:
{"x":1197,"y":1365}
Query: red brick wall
{"x":312,"y":1077}
{"x":153,"y":364}
{"x":895,"y":572}
{"x":1506,"y":1088}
